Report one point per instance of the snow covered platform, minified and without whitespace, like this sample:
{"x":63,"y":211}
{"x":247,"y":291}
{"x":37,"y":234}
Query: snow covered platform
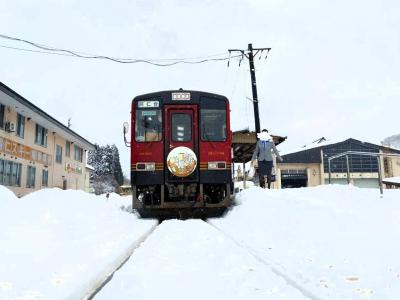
{"x":58,"y":244}
{"x":328,"y":242}
{"x":336,"y":242}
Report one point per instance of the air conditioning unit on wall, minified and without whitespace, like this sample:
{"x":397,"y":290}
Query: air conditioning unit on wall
{"x":10,"y":126}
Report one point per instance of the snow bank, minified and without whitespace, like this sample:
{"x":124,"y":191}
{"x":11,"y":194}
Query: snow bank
{"x":338,"y":242}
{"x":57,"y":244}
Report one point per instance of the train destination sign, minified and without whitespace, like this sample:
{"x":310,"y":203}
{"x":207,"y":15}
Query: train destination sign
{"x":181,"y":96}
{"x":145,"y":104}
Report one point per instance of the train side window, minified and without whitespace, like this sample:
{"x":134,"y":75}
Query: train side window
{"x":213,"y":125}
{"x":181,"y":127}
{"x":148,"y":125}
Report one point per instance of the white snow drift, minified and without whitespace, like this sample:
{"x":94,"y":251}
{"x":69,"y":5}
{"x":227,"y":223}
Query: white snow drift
{"x":57,"y":244}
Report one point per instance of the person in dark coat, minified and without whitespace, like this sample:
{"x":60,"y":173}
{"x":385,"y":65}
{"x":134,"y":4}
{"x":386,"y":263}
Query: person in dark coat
{"x":263,"y":153}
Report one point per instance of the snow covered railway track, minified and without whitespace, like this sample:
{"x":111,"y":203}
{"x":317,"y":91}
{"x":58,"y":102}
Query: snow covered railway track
{"x":275,"y":268}
{"x":107,"y":275}
{"x":181,"y":256}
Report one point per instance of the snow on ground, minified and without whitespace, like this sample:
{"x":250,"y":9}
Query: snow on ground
{"x":121,"y":202}
{"x":328,"y":242}
{"x":338,"y":242}
{"x":240,"y":185}
{"x":56,"y":244}
{"x":192,"y":260}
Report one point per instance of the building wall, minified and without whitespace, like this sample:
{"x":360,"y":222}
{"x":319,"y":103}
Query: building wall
{"x":313,"y":172}
{"x":390,"y":167}
{"x":87,"y":179}
{"x":56,"y":172}
{"x":69,"y":170}
{"x":395,"y":164}
{"x":316,"y":175}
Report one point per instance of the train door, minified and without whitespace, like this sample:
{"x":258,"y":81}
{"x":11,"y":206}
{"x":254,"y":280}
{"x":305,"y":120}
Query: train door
{"x":181,"y":130}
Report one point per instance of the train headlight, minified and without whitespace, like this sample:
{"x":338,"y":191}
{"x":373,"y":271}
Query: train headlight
{"x":148,"y":166}
{"x":217,"y":165}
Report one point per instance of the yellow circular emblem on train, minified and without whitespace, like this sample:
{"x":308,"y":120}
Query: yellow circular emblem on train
{"x":181,"y":161}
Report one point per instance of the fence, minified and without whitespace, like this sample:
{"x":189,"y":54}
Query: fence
{"x":348,"y":153}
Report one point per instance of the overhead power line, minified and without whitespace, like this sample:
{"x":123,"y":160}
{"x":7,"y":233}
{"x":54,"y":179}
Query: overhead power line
{"x":45,"y":49}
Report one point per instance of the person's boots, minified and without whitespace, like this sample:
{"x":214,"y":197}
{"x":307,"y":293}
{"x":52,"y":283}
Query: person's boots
{"x":262,"y":181}
{"x":269,"y":181}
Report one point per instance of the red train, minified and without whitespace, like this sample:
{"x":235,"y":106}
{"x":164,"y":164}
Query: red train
{"x":181,"y":161}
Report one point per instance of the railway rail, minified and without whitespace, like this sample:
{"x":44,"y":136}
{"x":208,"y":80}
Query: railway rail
{"x":102,"y":280}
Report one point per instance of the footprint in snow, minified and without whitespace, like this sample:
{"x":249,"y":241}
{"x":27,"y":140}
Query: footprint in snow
{"x":364,"y":293}
{"x":5,"y":286}
{"x":57,"y":281}
{"x":324,"y":283}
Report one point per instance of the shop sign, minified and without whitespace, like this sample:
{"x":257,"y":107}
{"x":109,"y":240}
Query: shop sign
{"x":70,"y":168}
{"x":21,"y":151}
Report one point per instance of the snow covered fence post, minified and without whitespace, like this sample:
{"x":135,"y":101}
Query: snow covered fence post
{"x":380,"y":174}
{"x":348,"y":169}
{"x":329,"y":168}
{"x":244,"y":176}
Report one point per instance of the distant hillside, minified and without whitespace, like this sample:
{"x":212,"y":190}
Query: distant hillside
{"x":392,"y":141}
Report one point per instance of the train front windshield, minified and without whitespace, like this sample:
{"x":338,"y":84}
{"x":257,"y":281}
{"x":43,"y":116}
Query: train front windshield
{"x":213,"y":125}
{"x":148,"y":125}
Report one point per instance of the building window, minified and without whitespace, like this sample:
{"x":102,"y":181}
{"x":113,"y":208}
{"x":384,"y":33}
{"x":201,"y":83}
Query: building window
{"x":45,"y":178}
{"x":20,"y":126}
{"x":16,"y":174}
{"x":58,"y":154}
{"x":2,"y":108}
{"x":78,"y":153}
{"x":30,"y":177}
{"x":41,"y":136}
{"x":10,"y":173}
{"x":357,"y":163}
{"x":67,"y":148}
{"x":2,"y":171}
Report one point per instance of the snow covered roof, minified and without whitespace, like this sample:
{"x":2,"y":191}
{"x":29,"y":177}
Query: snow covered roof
{"x":322,"y":142}
{"x":392,"y":180}
{"x":314,"y":145}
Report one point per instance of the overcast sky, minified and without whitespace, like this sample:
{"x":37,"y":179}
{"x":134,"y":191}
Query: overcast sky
{"x":333,"y":71}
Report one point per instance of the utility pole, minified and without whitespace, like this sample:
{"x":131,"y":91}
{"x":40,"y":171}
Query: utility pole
{"x":250,"y":55}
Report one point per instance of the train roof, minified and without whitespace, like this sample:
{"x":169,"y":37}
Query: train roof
{"x":167,"y":95}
